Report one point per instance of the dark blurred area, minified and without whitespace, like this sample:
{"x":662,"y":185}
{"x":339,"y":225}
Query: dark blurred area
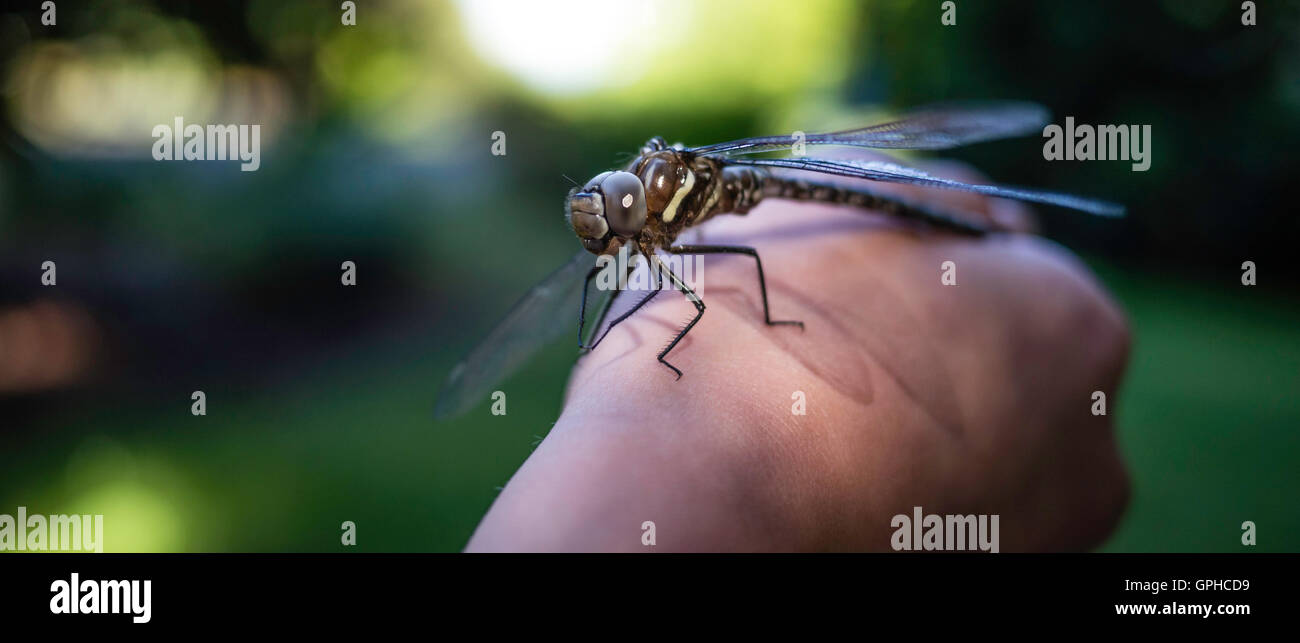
{"x":376,"y":143}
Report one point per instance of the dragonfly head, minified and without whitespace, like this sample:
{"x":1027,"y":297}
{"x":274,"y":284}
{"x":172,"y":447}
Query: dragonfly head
{"x":607,"y":212}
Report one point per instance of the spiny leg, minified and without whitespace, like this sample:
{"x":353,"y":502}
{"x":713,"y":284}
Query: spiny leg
{"x":699,"y":312}
{"x":609,"y":304}
{"x":743,"y":250}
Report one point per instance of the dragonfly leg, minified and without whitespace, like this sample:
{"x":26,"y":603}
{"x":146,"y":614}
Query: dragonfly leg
{"x":604,"y":310}
{"x":743,"y":250}
{"x":699,"y":312}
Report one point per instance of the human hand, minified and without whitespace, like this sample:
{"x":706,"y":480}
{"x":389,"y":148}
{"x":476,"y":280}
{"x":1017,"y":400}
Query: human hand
{"x":973,"y":398}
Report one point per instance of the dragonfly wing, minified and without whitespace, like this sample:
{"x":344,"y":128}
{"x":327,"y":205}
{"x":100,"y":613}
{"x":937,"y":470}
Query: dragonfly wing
{"x":896,"y":173}
{"x":937,"y":127}
{"x":542,"y":316}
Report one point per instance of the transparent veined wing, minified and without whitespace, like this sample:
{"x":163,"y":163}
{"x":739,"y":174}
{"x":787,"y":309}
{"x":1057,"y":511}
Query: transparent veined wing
{"x":937,"y":127}
{"x":896,"y":173}
{"x":544,"y":314}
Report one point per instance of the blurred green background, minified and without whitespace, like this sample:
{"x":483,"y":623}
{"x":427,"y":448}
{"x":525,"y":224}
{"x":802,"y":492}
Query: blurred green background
{"x":175,"y":277}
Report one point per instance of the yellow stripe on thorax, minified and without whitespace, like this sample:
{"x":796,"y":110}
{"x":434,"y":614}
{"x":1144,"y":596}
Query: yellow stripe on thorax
{"x":670,"y":212}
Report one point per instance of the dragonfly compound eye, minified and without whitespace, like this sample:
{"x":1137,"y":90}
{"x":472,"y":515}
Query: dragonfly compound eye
{"x":625,"y":208}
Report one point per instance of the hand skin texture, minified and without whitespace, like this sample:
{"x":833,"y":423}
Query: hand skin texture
{"x":967,"y":399}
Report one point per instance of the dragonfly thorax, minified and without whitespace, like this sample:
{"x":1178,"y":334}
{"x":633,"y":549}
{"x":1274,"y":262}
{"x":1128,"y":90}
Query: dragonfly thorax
{"x":608,"y":211}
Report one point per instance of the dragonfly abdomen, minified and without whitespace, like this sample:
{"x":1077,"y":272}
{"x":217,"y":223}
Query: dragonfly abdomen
{"x":778,"y":187}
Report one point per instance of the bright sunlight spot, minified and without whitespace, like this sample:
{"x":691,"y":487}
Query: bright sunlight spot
{"x":570,"y":46}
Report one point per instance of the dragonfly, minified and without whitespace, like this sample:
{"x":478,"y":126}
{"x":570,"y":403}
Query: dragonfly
{"x":665,"y":190}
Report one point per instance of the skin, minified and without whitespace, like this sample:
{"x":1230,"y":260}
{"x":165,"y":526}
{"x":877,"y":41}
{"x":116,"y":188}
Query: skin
{"x":966,"y":399}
